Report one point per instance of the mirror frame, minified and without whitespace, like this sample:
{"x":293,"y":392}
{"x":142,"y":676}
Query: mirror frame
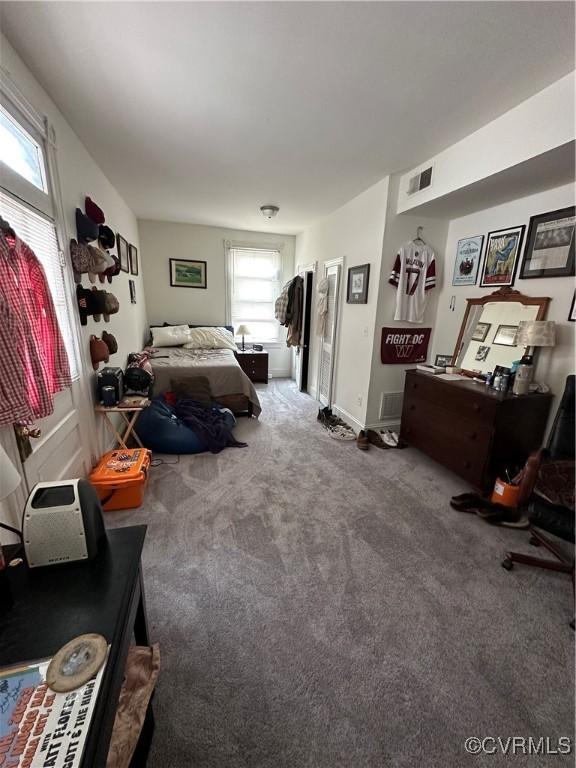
{"x":502,"y":294}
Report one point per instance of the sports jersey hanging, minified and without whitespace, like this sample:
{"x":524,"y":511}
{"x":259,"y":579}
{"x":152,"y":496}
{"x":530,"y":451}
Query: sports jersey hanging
{"x":414,"y":274}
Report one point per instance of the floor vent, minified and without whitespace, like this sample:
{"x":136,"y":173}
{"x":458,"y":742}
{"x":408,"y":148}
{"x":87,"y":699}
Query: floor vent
{"x":391,"y":405}
{"x":420,"y":181}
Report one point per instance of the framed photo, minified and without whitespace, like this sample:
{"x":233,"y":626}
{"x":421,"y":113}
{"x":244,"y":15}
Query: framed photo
{"x":122,"y":248}
{"x":132,"y":286}
{"x":506,"y":335}
{"x":443,"y":360}
{"x":481,"y":331}
{"x":468,"y":252}
{"x":482,"y":353}
{"x":572,"y":313}
{"x":501,"y":256}
{"x":187,"y":274}
{"x":133,"y":254}
{"x":550,"y":245}
{"x":358,"y":278}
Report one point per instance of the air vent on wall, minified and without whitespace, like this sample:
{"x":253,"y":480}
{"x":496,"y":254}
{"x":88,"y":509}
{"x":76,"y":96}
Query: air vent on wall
{"x":420,"y":181}
{"x":391,"y":405}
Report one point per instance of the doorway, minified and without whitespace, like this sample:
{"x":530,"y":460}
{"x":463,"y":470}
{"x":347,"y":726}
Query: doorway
{"x":305,"y":350}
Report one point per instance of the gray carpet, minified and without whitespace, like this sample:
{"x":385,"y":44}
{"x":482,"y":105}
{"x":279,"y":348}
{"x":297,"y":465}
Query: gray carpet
{"x":318,"y":606}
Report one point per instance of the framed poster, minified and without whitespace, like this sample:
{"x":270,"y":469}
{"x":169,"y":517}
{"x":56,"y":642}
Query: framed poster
{"x":468,"y":252}
{"x":572,"y":313}
{"x":481,"y":331}
{"x":358,"y":284}
{"x":132,"y":286}
{"x":501,"y":256}
{"x":133,"y":254}
{"x":122,"y":248}
{"x":550,"y":245}
{"x":185,"y":273}
{"x":506,"y":335}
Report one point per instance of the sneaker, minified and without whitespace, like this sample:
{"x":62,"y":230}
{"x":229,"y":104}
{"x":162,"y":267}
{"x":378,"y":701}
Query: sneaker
{"x":390,"y":438}
{"x":362,"y":441}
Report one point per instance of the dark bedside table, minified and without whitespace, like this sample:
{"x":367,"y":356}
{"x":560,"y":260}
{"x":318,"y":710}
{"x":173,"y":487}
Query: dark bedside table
{"x":254,"y":364}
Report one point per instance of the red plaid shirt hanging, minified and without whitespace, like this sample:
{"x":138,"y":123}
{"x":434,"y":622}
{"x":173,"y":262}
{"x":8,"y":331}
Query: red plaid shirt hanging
{"x":33,"y":361}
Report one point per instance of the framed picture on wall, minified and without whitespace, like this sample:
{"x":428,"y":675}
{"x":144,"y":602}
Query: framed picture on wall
{"x":133,"y":254}
{"x":501,"y":256}
{"x":550,"y":245}
{"x":481,"y":331}
{"x":572,"y":313}
{"x":122,"y":248}
{"x":132,"y":286}
{"x":185,"y":273}
{"x":468,"y":253}
{"x":358,"y":278}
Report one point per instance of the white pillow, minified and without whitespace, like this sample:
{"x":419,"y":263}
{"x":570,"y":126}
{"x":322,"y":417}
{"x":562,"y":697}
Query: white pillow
{"x":170,"y":335}
{"x":210,"y":338}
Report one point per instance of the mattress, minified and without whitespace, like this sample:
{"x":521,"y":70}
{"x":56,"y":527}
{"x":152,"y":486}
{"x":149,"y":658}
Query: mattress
{"x":218,"y":365}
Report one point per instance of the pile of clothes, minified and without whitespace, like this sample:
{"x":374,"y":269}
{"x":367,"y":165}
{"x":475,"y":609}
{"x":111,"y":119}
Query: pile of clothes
{"x":289,"y":310}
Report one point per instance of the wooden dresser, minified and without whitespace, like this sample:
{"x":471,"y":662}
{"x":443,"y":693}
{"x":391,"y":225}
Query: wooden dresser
{"x":469,"y":428}
{"x":254,"y":364}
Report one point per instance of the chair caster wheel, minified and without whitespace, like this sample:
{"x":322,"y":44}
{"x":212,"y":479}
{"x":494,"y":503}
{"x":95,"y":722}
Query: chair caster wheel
{"x":507,"y":564}
{"x":534,"y":541}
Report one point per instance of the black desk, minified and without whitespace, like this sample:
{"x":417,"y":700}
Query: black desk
{"x":105,"y":595}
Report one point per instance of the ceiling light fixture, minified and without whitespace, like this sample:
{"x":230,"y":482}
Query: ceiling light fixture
{"x":269,"y":211}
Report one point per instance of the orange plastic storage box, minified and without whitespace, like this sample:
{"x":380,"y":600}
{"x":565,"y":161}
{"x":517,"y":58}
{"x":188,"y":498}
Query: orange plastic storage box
{"x":121,"y":477}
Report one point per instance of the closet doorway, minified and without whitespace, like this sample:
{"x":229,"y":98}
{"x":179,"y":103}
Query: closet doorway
{"x":327,"y":358}
{"x":303,"y":353}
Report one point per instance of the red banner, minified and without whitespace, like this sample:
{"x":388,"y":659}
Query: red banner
{"x":401,"y":346}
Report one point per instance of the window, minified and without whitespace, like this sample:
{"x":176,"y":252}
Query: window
{"x":21,"y":152}
{"x":39,"y":233}
{"x":255,"y":282}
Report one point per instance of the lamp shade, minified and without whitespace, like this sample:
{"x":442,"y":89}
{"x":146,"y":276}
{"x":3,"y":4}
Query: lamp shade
{"x":536,"y":333}
{"x":242,"y":330}
{"x":9,"y":476}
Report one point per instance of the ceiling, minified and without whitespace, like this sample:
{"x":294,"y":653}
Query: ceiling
{"x":203,"y":111}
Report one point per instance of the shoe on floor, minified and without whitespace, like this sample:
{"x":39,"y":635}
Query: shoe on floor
{"x":375,"y":439}
{"x":390,"y":438}
{"x":362,"y":441}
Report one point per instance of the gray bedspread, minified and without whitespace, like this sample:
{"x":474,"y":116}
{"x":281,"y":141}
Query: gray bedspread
{"x":219,"y":366}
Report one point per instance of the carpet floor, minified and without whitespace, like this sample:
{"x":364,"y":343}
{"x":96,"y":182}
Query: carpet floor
{"x":321,"y":607}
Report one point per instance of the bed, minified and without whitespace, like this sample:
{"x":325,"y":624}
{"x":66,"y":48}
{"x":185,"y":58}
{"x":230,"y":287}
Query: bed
{"x":229,"y":384}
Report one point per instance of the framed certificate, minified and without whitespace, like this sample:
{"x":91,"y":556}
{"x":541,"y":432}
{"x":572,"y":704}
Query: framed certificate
{"x":550,"y":245}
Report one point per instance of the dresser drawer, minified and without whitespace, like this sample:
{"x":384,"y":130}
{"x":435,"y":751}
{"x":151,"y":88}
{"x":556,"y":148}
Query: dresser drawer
{"x":468,"y":400}
{"x":462,"y":446}
{"x":254,"y":366}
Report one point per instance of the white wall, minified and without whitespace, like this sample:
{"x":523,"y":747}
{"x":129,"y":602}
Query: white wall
{"x":355,"y":231}
{"x":80,"y":176}
{"x":400,"y":229}
{"x":163,"y":240}
{"x":539,"y":124}
{"x":552,"y":365}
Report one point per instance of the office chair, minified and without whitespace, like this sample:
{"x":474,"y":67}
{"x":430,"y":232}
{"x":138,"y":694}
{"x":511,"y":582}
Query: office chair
{"x":547,"y":491}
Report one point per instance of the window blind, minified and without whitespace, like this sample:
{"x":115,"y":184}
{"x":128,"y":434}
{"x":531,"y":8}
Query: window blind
{"x":255,"y":286}
{"x":39,"y":233}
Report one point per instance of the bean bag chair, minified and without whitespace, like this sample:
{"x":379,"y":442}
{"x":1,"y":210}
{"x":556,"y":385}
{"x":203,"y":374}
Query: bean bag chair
{"x":161,"y":431}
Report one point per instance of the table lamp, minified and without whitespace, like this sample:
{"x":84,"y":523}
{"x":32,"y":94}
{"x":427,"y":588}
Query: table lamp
{"x":243,"y":330}
{"x":531,"y":333}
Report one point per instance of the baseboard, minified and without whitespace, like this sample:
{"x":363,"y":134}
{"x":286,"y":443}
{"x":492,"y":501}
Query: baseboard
{"x":347,"y":417}
{"x":279,"y":373}
{"x":393,"y":424}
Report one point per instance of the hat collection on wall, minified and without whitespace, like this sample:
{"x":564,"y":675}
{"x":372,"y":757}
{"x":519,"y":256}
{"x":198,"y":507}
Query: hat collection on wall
{"x":90,"y":254}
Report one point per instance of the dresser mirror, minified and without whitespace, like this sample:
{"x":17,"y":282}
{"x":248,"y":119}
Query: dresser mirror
{"x":489,"y":329}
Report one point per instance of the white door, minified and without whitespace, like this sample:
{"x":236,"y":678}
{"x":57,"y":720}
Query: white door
{"x":328,"y":341}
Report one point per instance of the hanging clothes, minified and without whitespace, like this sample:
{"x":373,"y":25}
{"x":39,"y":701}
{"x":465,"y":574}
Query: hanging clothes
{"x":322,"y":306}
{"x":33,"y":360}
{"x":295,"y":312}
{"x":413,"y":274}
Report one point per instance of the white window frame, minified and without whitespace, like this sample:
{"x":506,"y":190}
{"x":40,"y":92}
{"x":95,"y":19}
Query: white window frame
{"x":229,"y":278}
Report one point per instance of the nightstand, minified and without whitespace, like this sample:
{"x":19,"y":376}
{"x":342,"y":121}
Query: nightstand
{"x":254,"y":364}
